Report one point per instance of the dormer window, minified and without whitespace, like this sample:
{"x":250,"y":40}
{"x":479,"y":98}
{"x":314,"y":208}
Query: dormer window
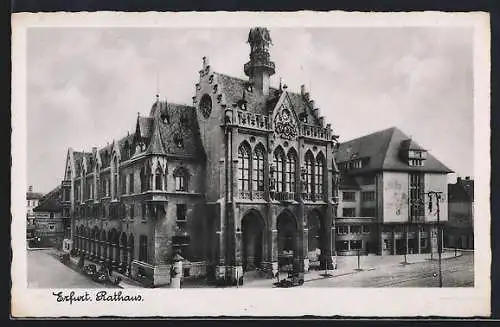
{"x":416,"y":158}
{"x":412,"y":153}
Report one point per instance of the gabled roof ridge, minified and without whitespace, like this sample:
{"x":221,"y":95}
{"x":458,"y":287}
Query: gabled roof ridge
{"x":369,"y":135}
{"x":388,"y":143}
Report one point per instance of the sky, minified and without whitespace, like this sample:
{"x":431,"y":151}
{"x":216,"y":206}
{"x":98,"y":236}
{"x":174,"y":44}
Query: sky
{"x":86,"y":85}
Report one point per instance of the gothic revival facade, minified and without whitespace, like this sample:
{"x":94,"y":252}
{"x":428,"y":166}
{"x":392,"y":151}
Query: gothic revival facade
{"x":241,"y":181}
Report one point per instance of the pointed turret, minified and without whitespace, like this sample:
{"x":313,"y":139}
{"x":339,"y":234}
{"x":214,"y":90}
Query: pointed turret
{"x":260,"y":67}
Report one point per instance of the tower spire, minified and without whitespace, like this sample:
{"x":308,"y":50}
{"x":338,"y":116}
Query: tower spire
{"x":157,"y":85}
{"x":260,"y":67}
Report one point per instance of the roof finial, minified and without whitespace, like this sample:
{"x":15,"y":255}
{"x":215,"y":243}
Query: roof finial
{"x":157,"y":86}
{"x":280,"y":85}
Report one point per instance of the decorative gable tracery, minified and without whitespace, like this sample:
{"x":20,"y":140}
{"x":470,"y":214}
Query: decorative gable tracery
{"x":285,"y":123}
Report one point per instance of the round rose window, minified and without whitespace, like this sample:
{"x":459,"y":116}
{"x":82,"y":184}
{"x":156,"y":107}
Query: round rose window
{"x":206,"y":105}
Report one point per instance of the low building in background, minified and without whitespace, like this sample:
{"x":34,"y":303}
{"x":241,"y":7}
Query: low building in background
{"x":52,"y":223}
{"x":459,"y":230}
{"x":32,"y":199}
{"x":383,"y":195}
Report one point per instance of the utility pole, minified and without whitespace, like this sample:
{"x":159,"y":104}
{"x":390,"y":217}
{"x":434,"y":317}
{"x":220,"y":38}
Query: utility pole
{"x":438,"y":196}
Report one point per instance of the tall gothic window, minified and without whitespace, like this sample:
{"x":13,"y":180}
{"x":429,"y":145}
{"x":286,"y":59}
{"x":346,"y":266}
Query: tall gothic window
{"x":181,"y":180}
{"x":244,"y":167}
{"x":143,"y":179}
{"x":318,"y":172}
{"x":279,"y":164}
{"x":115,"y":178}
{"x":291,"y":165}
{"x":309,"y":172}
{"x":416,"y":196}
{"x":158,"y":178}
{"x":258,"y":169}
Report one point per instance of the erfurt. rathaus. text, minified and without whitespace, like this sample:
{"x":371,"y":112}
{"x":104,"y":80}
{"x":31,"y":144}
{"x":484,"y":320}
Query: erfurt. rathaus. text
{"x":249,"y":179}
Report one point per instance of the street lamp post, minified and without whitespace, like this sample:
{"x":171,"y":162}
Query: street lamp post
{"x":438,"y":196}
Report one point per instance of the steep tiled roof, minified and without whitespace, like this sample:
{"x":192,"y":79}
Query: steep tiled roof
{"x":51,"y":202}
{"x":145,"y":126}
{"x":33,"y":195}
{"x":233,"y":89}
{"x":380,"y":151}
{"x":347,"y":182}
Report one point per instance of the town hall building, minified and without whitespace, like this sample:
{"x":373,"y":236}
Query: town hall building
{"x":242,"y":181}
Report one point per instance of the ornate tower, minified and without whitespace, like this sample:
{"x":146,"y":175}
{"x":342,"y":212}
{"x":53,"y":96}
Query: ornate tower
{"x":260,"y":67}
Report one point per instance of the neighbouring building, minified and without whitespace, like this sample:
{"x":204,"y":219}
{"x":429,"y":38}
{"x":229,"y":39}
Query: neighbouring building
{"x":32,"y":199}
{"x":242,"y":181}
{"x":385,"y":178}
{"x":459,"y":230}
{"x":52,"y":221}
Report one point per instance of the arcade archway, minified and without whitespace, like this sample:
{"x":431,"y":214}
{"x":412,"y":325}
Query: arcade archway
{"x":288,"y":248}
{"x":252,"y":227}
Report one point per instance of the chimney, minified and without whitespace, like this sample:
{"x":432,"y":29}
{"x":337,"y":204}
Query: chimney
{"x":302,"y":90}
{"x":30,"y":188}
{"x":260,"y":67}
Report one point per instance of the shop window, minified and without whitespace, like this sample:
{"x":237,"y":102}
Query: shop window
{"x":356,"y":244}
{"x":342,"y":245}
{"x":348,"y":212}
{"x":368,"y":196}
{"x":349,"y":196}
{"x":342,"y":229}
{"x":356,"y":229}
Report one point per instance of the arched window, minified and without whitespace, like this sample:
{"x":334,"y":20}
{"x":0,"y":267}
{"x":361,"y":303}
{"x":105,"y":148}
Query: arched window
{"x":291,"y":165}
{"x":144,"y":174}
{"x":318,"y":180}
{"x":309,"y":172}
{"x":244,"y":167}
{"x":115,"y":177}
{"x":158,"y":178}
{"x":279,"y":164}
{"x":181,"y":180}
{"x":258,"y":169}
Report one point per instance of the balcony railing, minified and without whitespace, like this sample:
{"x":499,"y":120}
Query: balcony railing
{"x":316,"y":132}
{"x":251,"y":120}
{"x":284,"y":196}
{"x":258,"y":195}
{"x":244,"y":194}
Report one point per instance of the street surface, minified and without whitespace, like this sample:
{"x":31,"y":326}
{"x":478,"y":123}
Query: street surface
{"x":45,"y":271}
{"x":456,"y":272}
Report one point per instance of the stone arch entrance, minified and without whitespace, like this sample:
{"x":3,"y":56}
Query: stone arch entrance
{"x":252,"y":227}
{"x":288,"y":240}
{"x":315,"y":239}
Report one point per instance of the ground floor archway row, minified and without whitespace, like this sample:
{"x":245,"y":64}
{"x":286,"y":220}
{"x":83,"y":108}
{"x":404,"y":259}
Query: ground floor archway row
{"x":105,"y":247}
{"x":262,"y":239}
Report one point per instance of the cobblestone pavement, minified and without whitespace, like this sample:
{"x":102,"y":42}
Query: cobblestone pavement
{"x":45,"y":271}
{"x":456,"y":272}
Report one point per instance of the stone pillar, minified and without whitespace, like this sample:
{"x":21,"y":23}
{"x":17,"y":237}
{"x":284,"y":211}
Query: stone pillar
{"x":237,"y":273}
{"x":220,"y":269}
{"x":121,"y":262}
{"x":418,"y":240}
{"x":326,"y":246}
{"x":129,"y":260}
{"x":113,"y":255}
{"x":306,"y":249}
{"x":274,"y":252}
